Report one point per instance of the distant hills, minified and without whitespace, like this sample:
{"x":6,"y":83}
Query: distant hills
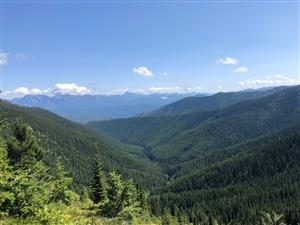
{"x":220,"y":100}
{"x":85,"y":108}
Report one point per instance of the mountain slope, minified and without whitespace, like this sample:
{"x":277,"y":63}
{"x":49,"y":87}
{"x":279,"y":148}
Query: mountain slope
{"x":179,"y":140}
{"x":208,"y":103}
{"x":77,"y":145}
{"x":264,"y":177}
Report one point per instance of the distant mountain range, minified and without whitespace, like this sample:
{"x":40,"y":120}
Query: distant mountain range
{"x":85,"y":108}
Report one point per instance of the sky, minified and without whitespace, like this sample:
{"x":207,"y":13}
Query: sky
{"x":82,"y":47}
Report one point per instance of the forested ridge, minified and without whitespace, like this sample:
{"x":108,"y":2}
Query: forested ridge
{"x":208,"y":103}
{"x":234,"y":165}
{"x":76,"y":146}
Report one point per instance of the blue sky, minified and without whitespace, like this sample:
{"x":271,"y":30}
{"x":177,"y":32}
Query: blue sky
{"x":148,"y":46}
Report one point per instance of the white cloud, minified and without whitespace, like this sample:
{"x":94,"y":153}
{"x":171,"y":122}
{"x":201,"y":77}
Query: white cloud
{"x":21,"y":56}
{"x":22,"y":91}
{"x":143,"y":71}
{"x":71,"y":88}
{"x":241,"y":83}
{"x":241,"y":69}
{"x":227,"y":61}
{"x":278,"y":76}
{"x":36,"y":91}
{"x":3,"y":58}
{"x":219,"y":87}
{"x":163,"y":89}
{"x":275,"y":80}
{"x":165,"y":73}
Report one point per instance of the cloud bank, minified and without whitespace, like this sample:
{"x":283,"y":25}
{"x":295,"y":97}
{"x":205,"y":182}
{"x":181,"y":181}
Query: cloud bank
{"x":60,"y":88}
{"x":275,"y":80}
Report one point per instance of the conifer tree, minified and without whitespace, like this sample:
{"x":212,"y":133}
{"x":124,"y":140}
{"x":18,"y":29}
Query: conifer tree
{"x":167,"y":218}
{"x":99,"y":187}
{"x":184,"y":219}
{"x":128,"y":197}
{"x":212,"y":221}
{"x":142,"y":196}
{"x":115,"y":188}
{"x":6,"y":176}
{"x":30,"y":183}
{"x":23,"y":149}
{"x":61,"y":184}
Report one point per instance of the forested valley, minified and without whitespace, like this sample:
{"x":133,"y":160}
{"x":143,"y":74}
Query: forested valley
{"x":238,"y":163}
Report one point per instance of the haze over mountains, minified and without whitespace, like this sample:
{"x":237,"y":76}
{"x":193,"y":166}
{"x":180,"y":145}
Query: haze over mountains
{"x":85,"y":108}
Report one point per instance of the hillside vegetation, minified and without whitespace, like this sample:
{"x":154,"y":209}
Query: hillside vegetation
{"x":33,"y":193}
{"x":76,"y":146}
{"x":237,"y":189}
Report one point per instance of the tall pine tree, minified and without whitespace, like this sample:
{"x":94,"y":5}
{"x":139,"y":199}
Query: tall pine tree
{"x":99,"y":187}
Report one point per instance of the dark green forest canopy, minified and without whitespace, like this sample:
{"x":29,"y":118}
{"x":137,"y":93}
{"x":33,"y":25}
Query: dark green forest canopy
{"x":209,"y":103}
{"x":264,"y":177}
{"x":76,"y":145}
{"x":177,"y":140}
{"x":33,"y":193}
